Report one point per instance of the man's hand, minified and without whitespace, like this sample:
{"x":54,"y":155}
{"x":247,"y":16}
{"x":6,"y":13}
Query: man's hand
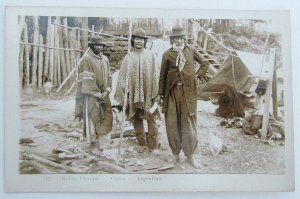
{"x":104,"y":94}
{"x":204,"y":76}
{"x":101,"y":95}
{"x":97,"y":95}
{"x":161,"y":100}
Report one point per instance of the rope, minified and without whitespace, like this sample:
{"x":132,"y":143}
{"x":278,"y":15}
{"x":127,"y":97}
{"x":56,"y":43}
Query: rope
{"x":32,"y":44}
{"x":99,"y":33}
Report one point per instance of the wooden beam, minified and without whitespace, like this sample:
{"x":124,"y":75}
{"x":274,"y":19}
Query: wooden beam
{"x":274,"y":91}
{"x":268,"y":67}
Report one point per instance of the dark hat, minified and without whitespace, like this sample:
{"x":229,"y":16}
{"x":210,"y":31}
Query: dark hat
{"x":96,"y":39}
{"x":140,"y":32}
{"x":178,"y":31}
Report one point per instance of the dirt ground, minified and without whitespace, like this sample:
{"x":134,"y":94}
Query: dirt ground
{"x":50,"y":142}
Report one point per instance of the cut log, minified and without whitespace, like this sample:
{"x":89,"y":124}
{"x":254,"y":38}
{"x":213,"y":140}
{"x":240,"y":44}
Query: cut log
{"x":128,"y":133}
{"x":51,"y":164}
{"x":110,"y":168}
{"x":27,"y":166}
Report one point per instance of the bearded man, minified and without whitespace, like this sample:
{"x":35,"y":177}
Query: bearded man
{"x":177,"y":89}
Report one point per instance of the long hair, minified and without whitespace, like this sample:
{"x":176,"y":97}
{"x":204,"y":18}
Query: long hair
{"x":132,"y":41}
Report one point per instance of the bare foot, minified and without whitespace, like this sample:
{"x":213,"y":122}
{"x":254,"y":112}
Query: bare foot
{"x":155,"y":152}
{"x":194,"y":163}
{"x":174,"y":159}
{"x":140,"y":149}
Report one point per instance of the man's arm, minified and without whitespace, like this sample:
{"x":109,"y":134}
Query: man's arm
{"x":163,"y":75}
{"x":202,"y":72}
{"x":109,"y":78}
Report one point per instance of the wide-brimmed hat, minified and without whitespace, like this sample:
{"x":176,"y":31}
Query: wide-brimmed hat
{"x":96,"y":39}
{"x":178,"y":31}
{"x":140,"y":32}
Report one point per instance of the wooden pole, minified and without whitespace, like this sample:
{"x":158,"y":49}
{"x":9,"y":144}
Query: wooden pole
{"x":129,"y":34}
{"x":21,"y":66}
{"x":71,"y":73}
{"x":21,"y":25}
{"x":66,"y":45}
{"x":21,"y":53}
{"x":47,"y":50}
{"x":55,"y":66}
{"x":233,"y":72}
{"x":274,"y":91}
{"x":78,"y":44}
{"x":269,"y":63}
{"x":58,"y":66}
{"x":72,"y":44}
{"x":62,"y":69}
{"x":84,"y":33}
{"x":51,"y":54}
{"x":35,"y":51}
{"x":26,"y":68}
{"x":40,"y":65}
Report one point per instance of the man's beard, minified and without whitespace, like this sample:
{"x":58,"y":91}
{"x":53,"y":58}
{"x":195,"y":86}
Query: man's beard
{"x":178,"y":46}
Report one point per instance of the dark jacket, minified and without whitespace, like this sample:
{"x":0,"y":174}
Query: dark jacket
{"x":170,"y":75}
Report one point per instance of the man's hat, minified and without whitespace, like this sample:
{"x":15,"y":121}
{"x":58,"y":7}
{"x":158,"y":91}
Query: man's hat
{"x":140,"y":32}
{"x":96,"y":39}
{"x":178,"y":31}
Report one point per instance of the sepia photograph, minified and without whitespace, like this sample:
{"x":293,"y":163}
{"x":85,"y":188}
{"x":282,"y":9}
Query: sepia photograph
{"x":112,"y":99}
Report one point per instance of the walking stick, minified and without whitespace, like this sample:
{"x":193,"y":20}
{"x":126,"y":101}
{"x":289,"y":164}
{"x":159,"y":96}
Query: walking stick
{"x":121,"y":138}
{"x":87,"y":122}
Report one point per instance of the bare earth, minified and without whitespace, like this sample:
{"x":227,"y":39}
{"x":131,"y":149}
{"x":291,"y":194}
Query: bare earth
{"x":53,"y":134}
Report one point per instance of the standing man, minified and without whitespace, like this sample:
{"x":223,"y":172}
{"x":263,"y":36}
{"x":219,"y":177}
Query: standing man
{"x":177,"y":89}
{"x":92,"y":97}
{"x":137,"y":90}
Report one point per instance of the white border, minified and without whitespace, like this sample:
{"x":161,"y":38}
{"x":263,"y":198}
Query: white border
{"x":14,"y":96}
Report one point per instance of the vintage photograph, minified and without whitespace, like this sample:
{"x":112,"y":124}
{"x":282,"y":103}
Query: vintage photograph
{"x":144,"y":97}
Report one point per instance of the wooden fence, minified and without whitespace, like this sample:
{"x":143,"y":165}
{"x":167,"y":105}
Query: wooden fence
{"x":55,"y":52}
{"x":54,"y":56}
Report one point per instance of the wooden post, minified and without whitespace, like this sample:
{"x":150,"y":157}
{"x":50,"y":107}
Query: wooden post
{"x":72,"y":44}
{"x":21,"y":53}
{"x":26,"y":68}
{"x":66,"y":45}
{"x":274,"y":91}
{"x":84,"y":33}
{"x":55,"y":66}
{"x":47,"y":50}
{"x":51,"y":54}
{"x":62,"y":66}
{"x":58,"y":67}
{"x":268,"y":67}
{"x":21,"y":66}
{"x":40,"y":65}
{"x":78,"y":44}
{"x":129,"y":34}
{"x":71,"y":73}
{"x":206,"y":38}
{"x":233,"y":72}
{"x":35,"y":51}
